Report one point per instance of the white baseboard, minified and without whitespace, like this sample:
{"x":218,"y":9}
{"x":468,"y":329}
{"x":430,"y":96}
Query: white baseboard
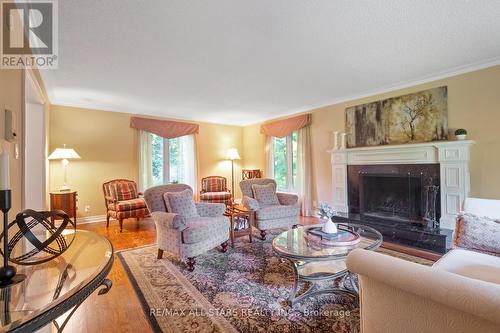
{"x":91,"y":219}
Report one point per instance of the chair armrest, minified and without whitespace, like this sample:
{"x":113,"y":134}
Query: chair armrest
{"x":206,"y":209}
{"x":250,"y":203}
{"x":111,"y":199}
{"x":168,"y":221}
{"x":287,"y":199}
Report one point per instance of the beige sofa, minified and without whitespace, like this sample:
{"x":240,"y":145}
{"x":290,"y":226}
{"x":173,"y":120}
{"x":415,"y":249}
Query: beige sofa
{"x":459,"y":293}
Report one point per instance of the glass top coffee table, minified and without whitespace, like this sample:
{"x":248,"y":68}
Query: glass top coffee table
{"x":57,"y":286}
{"x":313,"y":262}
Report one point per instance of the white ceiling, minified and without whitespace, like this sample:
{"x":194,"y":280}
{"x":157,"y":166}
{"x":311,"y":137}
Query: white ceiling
{"x":241,"y":62}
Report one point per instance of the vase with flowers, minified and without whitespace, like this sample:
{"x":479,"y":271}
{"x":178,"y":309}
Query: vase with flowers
{"x":326,"y":212}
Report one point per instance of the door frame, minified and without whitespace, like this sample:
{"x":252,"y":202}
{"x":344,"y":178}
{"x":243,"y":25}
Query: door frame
{"x":33,"y":94}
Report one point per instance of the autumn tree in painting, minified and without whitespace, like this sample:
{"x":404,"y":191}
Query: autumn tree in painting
{"x":414,"y":111}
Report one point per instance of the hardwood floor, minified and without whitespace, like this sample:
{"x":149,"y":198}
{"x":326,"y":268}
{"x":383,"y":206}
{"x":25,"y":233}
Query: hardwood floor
{"x":120,"y":310}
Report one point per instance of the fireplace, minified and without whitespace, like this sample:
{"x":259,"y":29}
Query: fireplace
{"x":394,"y":196}
{"x":387,"y":187}
{"x":395,"y":192}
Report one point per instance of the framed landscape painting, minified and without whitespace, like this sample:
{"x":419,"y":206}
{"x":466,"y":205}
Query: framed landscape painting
{"x":412,"y":118}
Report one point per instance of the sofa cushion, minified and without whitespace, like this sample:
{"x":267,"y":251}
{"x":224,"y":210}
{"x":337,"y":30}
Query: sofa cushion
{"x":276,"y":212}
{"x":477,"y":233}
{"x":265,"y":194}
{"x":181,"y":203}
{"x":128,"y":205}
{"x":203,"y":228}
{"x":475,"y":265}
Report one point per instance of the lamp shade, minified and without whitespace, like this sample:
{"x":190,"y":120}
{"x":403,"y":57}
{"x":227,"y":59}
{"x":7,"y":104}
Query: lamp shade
{"x":64,"y":153}
{"x":232,"y":154}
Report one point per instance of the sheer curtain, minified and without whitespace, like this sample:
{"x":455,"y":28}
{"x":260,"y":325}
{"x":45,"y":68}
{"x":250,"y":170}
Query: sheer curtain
{"x":186,"y":167}
{"x":304,"y":170}
{"x":145,"y":160}
{"x":179,"y":163}
{"x":269,"y":172}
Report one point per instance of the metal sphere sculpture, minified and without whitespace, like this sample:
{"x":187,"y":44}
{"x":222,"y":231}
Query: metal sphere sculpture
{"x":48,"y":240}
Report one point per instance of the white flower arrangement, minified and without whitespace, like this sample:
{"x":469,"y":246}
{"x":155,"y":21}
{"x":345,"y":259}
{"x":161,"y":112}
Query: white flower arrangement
{"x":326,"y":211}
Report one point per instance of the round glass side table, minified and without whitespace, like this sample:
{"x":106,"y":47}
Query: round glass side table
{"x":58,"y":286}
{"x":313,"y":262}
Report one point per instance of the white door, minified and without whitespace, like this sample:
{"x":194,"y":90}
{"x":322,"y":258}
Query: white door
{"x":34,"y":161}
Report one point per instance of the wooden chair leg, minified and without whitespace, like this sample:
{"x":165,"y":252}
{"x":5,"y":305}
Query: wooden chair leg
{"x":160,"y":253}
{"x":223,"y":247}
{"x":190,"y":263}
{"x":121,"y":224}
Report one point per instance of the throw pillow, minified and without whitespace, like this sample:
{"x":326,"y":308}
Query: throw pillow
{"x":265,"y":194}
{"x":181,"y":203}
{"x":477,"y":233}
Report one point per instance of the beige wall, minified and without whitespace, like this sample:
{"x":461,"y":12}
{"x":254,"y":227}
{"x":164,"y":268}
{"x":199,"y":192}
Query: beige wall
{"x":108,"y":147}
{"x":253,"y":148}
{"x":473,"y":104}
{"x":11,"y":97}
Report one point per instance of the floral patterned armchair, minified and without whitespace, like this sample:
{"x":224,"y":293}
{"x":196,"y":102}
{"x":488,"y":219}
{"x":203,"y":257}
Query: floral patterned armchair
{"x":283,"y":214}
{"x":123,"y":201}
{"x":214,"y":189}
{"x":183,"y":236}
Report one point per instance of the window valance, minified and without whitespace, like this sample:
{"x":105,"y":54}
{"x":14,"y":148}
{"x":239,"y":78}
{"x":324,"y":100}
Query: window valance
{"x":284,"y":127}
{"x":168,"y":129}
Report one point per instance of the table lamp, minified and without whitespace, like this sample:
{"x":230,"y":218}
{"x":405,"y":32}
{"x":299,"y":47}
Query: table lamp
{"x":64,"y":154}
{"x":232,"y":154}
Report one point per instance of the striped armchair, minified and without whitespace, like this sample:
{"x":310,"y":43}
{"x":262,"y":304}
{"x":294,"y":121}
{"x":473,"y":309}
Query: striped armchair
{"x":123,"y":201}
{"x":214,"y":189}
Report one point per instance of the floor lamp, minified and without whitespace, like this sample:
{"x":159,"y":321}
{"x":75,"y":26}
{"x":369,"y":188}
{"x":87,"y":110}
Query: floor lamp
{"x":232,"y":154}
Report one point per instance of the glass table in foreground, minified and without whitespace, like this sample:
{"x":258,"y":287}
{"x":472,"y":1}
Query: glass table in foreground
{"x":314,"y":262}
{"x":58,"y":286}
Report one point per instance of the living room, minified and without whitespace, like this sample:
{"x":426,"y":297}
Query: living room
{"x":250,"y":166}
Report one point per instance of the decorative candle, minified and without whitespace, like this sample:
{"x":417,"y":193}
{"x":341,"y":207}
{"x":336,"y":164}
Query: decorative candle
{"x":4,"y":171}
{"x":335,"y":140}
{"x":343,"y":145}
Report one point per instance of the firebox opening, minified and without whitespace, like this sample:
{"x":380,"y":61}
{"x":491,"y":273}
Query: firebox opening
{"x":396,"y":197}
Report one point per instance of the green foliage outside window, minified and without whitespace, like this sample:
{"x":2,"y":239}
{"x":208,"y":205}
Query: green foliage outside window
{"x":283,"y":159}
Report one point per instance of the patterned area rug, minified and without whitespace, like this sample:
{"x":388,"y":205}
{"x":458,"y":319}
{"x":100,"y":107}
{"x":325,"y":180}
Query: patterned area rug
{"x":242,"y":290}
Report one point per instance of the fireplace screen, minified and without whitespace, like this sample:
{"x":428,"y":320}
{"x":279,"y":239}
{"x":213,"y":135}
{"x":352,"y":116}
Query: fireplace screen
{"x":396,"y":197}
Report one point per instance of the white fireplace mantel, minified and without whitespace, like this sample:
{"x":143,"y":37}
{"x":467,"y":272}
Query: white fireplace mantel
{"x":452,"y":156}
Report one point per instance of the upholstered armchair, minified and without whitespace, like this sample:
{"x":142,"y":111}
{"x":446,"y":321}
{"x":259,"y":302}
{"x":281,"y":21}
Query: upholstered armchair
{"x":214,"y":189}
{"x":284,"y":213}
{"x":123,"y":201}
{"x":187,"y":237}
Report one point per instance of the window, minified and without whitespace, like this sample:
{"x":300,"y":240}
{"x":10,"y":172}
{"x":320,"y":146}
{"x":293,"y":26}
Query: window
{"x":172,"y":160}
{"x":285,"y":162}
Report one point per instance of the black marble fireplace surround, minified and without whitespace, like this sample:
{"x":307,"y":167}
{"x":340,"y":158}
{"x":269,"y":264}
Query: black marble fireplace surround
{"x":391,"y":198}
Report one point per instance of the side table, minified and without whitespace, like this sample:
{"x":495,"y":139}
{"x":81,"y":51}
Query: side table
{"x":237,"y":214}
{"x":65,"y":201}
